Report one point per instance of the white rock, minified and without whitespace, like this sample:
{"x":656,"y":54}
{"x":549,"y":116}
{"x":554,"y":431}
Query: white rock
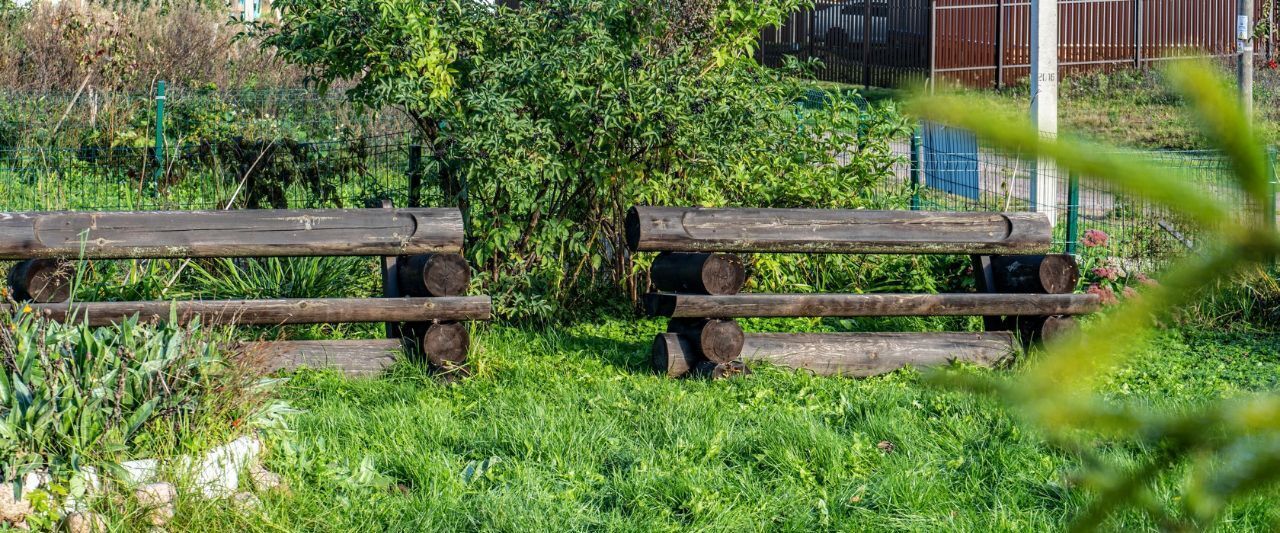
{"x":160,"y":501}
{"x":141,"y":471}
{"x":246,"y":501}
{"x":84,"y":523}
{"x":218,"y":474}
{"x":12,"y":509}
{"x":156,"y":494}
{"x":265,"y":480}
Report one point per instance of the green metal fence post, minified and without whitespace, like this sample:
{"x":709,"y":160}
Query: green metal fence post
{"x":159,"y":147}
{"x":415,"y":175}
{"x":917,"y":159}
{"x":1073,"y":212}
{"x":1270,"y":210}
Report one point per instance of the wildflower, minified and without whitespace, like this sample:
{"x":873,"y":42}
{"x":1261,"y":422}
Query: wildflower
{"x":1094,"y":238}
{"x":1105,"y":294}
{"x":1273,"y":65}
{"x":1107,"y":273}
{"x":26,"y":309}
{"x":1143,"y":279}
{"x":1129,"y":292}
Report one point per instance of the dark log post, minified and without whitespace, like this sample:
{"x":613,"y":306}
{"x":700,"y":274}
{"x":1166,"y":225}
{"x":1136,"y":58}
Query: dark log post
{"x":41,"y":280}
{"x":1042,"y":329}
{"x":675,"y":229}
{"x":1036,"y":274}
{"x":712,"y":370}
{"x":718,"y":341}
{"x":236,"y":233}
{"x":445,"y":344}
{"x":672,"y":356}
{"x":699,"y":273}
{"x":277,"y":312}
{"x":871,"y":354}
{"x":857,"y":305}
{"x":434,"y":275}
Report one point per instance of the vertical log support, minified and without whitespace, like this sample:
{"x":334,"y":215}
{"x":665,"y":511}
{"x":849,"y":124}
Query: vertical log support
{"x":390,"y":282}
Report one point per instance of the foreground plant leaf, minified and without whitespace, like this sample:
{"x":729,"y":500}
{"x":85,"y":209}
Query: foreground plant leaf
{"x":1235,"y":446}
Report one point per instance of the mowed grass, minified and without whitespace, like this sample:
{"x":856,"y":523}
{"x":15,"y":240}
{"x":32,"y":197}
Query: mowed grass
{"x":566,"y":430}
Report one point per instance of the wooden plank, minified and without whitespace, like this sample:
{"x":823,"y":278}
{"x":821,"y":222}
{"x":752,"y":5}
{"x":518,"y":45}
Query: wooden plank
{"x":277,"y":312}
{"x":871,"y":354}
{"x":678,"y":229}
{"x":352,"y":357}
{"x":856,"y":305}
{"x":242,"y":233}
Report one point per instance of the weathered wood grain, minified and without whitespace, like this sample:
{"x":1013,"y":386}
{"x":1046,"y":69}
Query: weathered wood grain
{"x":276,"y":312}
{"x":41,"y":280}
{"x":240,"y":233}
{"x":446,"y":344}
{"x":434,"y":275}
{"x":677,"y":229}
{"x":672,"y":356}
{"x":1035,"y":274}
{"x":856,"y":305}
{"x":352,"y":357}
{"x":718,"y":341}
{"x":699,"y":273}
{"x":871,"y":354}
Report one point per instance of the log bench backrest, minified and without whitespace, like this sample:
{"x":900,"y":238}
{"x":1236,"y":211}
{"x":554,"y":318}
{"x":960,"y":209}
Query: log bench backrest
{"x":677,"y":229}
{"x":241,"y":233}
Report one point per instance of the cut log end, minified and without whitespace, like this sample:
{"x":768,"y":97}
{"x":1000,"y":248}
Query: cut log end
{"x":631,"y":226}
{"x":41,"y":280}
{"x":1037,"y":274}
{"x":435,"y":275}
{"x":699,"y":273}
{"x":672,"y":356}
{"x":715,"y":340}
{"x":445,"y":344}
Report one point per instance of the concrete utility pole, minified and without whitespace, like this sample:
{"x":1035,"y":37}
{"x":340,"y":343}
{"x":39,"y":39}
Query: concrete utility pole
{"x":1044,"y":100}
{"x":1244,"y":43}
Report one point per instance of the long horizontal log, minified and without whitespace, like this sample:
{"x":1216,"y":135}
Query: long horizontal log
{"x":240,"y":233}
{"x":276,"y":312}
{"x":678,"y":229}
{"x":860,"y":305}
{"x":352,"y":357}
{"x":871,"y":354}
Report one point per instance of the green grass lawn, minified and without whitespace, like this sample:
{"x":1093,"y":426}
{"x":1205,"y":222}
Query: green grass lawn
{"x":566,"y":430}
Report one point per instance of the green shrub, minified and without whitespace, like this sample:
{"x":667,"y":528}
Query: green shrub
{"x":545,"y":124}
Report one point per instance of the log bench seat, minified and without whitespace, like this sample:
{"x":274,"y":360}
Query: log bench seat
{"x":1024,"y":293}
{"x":424,"y":275}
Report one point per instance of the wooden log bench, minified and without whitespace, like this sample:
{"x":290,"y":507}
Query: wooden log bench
{"x":1025,"y":294}
{"x":424,"y":275}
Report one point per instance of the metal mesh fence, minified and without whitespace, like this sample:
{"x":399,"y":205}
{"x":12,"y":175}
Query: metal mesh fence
{"x":1090,"y":215}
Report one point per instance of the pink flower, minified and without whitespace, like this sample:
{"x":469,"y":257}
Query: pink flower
{"x":1094,"y":238}
{"x":1143,"y":279}
{"x":1107,"y":273}
{"x":1107,"y":295}
{"x":1129,"y":292}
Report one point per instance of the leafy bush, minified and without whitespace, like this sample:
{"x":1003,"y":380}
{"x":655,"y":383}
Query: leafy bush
{"x":545,"y":124}
{"x":72,"y":395}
